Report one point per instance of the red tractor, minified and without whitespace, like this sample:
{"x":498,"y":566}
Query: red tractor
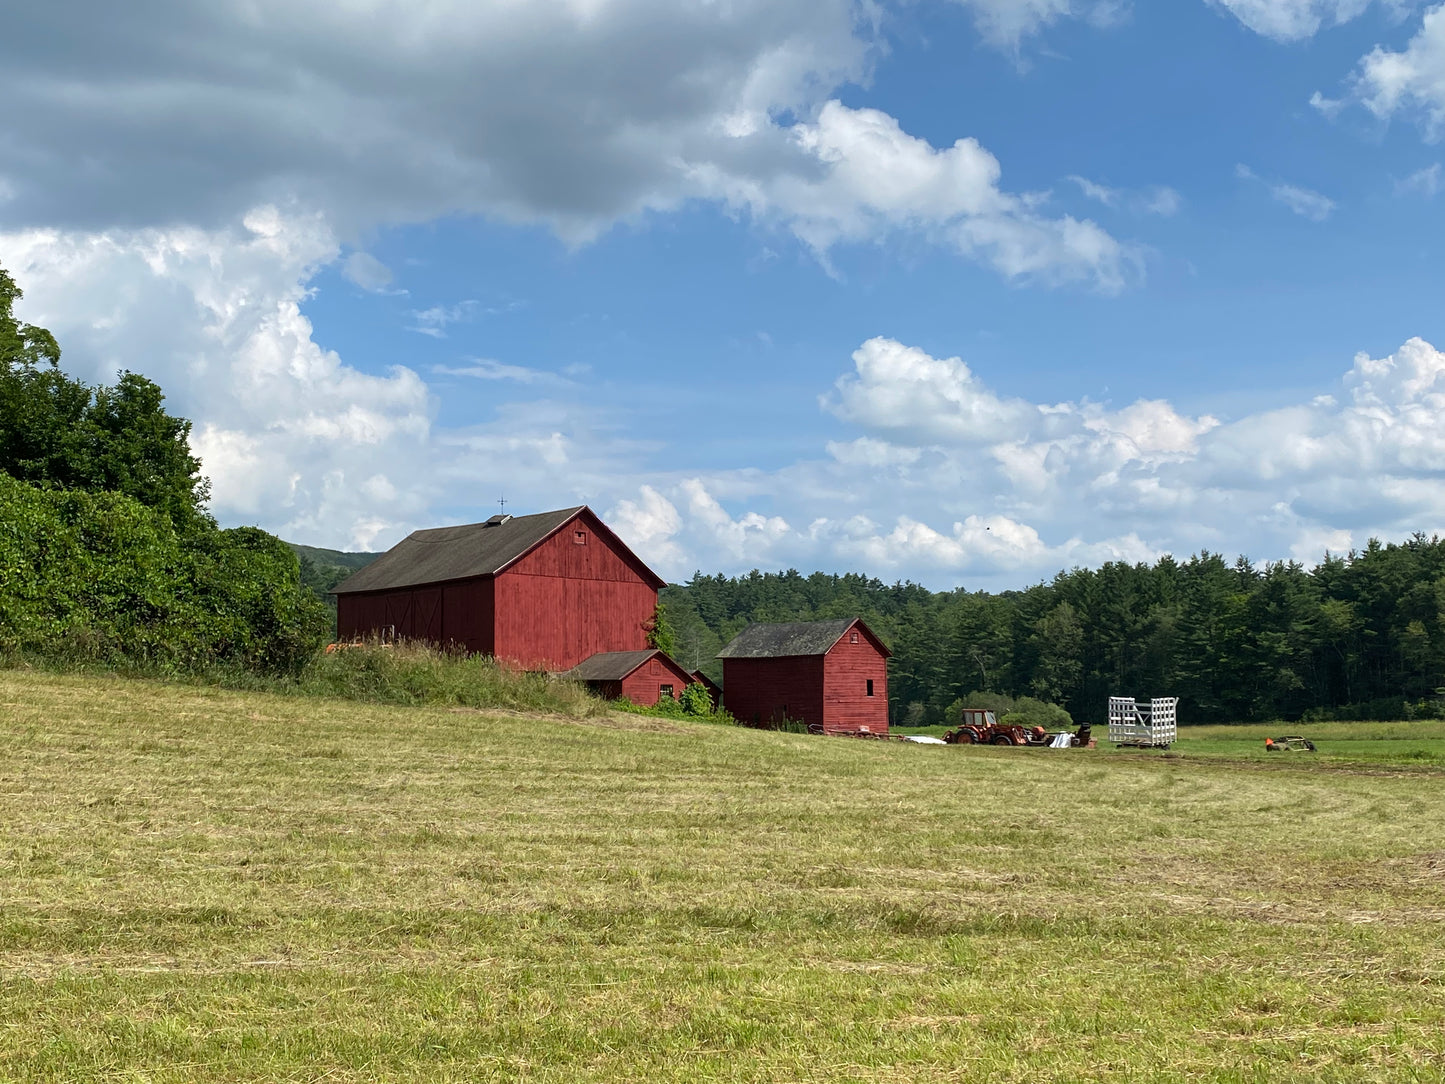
{"x":981,"y":727}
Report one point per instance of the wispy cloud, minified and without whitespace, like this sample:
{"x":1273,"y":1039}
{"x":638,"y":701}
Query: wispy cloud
{"x":490,"y":369}
{"x":1304,"y":202}
{"x":1423,"y":182}
{"x":365,"y":270}
{"x":1329,"y":108}
{"x":1109,"y":197}
{"x":435,"y":320}
{"x":1156,"y":200}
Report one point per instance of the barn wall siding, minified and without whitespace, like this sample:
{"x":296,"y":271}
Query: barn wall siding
{"x":847,"y":669}
{"x":561,"y":555}
{"x":644,"y":685}
{"x":767,"y":690}
{"x":454,"y":613}
{"x":467,"y":615}
{"x":565,"y":602}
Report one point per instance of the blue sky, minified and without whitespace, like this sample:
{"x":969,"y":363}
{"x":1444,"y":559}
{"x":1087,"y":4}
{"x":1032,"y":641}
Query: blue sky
{"x":963,"y":291}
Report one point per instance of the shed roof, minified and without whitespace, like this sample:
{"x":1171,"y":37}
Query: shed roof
{"x":792,"y":639}
{"x":612,"y":665}
{"x":474,"y":549}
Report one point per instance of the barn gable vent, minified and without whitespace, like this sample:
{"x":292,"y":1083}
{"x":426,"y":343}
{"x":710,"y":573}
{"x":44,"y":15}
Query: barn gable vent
{"x":497,"y":521}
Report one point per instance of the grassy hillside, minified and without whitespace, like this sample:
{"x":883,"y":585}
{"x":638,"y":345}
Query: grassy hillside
{"x":198,"y":884}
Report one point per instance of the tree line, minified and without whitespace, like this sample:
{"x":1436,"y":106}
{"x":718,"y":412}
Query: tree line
{"x":107,"y":551}
{"x":1359,"y":636}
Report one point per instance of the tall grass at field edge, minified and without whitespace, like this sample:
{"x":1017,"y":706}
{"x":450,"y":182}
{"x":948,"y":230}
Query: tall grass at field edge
{"x":408,"y":674}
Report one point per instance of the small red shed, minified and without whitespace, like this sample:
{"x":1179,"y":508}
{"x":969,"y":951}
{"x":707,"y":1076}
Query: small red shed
{"x":539,"y":592}
{"x":832,"y":675}
{"x":644,"y":677}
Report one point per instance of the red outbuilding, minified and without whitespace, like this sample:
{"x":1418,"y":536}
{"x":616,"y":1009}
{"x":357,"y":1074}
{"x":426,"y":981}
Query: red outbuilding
{"x":832,"y":675}
{"x":644,"y":677}
{"x":541,"y":592}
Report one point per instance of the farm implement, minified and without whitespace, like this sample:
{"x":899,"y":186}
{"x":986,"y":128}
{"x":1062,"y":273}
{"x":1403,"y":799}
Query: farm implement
{"x":982,"y":727}
{"x":1294,"y":743}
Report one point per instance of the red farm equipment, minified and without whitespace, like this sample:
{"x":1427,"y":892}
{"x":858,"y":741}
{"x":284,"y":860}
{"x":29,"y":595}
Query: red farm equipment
{"x":981,"y":727}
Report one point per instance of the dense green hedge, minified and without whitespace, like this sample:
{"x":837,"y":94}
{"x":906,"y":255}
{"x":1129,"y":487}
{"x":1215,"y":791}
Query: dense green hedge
{"x":100,"y":576}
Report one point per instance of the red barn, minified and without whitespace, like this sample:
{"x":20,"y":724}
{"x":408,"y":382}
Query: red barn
{"x":539,"y":592}
{"x":832,"y":675}
{"x":644,"y":677}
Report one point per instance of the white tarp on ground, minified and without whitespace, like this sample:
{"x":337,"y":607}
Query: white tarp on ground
{"x":923,"y":739}
{"x":1062,"y":741}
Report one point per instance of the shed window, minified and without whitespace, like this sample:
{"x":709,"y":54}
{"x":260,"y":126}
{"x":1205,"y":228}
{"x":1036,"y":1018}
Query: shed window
{"x":579,"y":538}
{"x":870,"y":686}
{"x":666,"y":690}
{"x":853,"y":637}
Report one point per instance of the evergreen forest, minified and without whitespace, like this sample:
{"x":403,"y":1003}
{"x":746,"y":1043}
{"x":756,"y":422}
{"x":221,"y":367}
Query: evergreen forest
{"x":1359,"y":636}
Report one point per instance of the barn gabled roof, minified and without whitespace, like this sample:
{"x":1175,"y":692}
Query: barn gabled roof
{"x":474,"y":549}
{"x":794,"y":638}
{"x":615,"y":665}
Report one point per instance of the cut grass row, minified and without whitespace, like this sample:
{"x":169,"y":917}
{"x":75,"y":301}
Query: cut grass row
{"x":200,"y":884}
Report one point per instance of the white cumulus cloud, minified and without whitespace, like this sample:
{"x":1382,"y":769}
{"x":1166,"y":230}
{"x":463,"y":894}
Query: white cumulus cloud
{"x":287,"y":431}
{"x":1412,"y":80}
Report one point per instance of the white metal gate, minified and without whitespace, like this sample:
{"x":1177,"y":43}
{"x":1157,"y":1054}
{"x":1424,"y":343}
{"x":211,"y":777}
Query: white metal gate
{"x":1154,"y":725}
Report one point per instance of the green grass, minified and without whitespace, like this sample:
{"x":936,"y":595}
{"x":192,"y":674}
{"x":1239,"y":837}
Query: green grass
{"x":201,"y":884}
{"x":1401,"y":745}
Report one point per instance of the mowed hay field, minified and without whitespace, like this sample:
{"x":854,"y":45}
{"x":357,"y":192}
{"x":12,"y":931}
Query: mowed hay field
{"x":206,"y":885}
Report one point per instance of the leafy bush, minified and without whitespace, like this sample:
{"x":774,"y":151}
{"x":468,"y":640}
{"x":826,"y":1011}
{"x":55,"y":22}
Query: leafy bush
{"x":998,"y":703}
{"x":101,"y":577}
{"x":659,"y":631}
{"x":1030,"y":712}
{"x":669,"y":708}
{"x":1017,"y":711}
{"x":696,"y":700}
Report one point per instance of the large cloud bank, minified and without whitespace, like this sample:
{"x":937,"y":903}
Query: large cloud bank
{"x":573,"y":114}
{"x":931,"y":473}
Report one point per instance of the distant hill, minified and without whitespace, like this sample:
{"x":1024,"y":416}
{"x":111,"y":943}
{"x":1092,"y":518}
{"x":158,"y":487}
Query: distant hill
{"x":326,"y":558}
{"x":323,"y":569}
